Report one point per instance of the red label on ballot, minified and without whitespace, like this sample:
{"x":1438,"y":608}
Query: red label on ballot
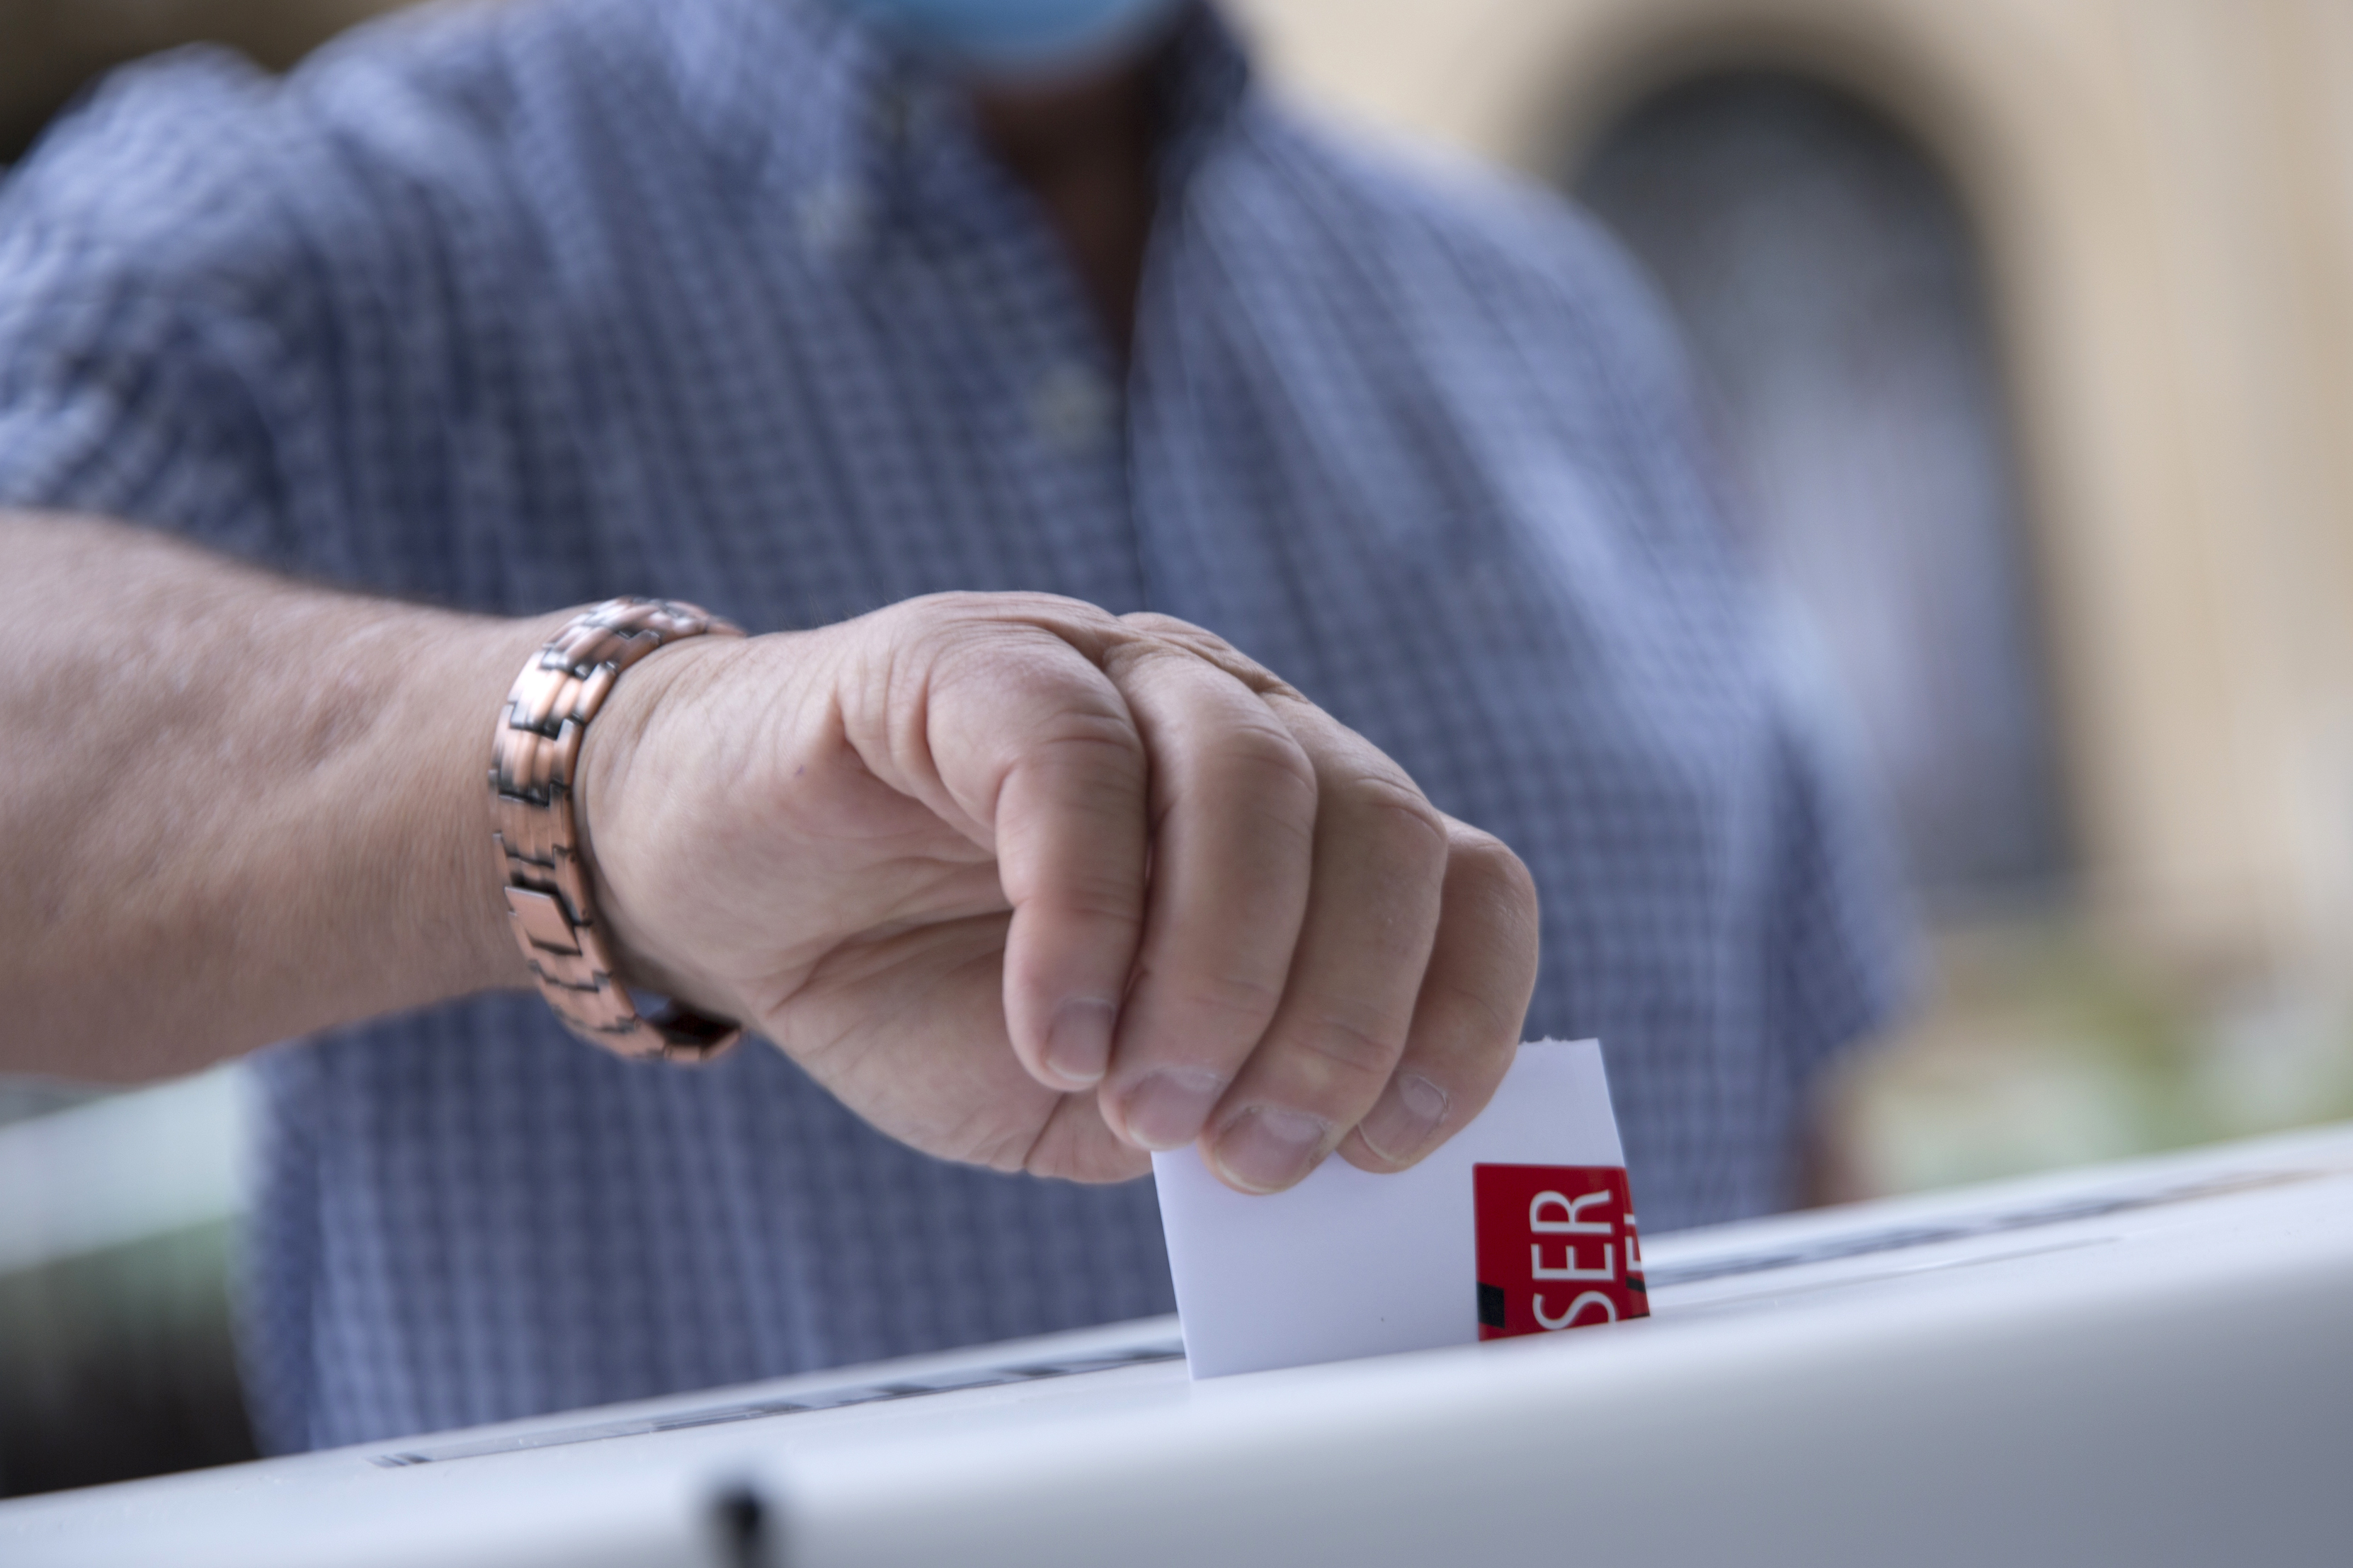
{"x":1558,"y":1248}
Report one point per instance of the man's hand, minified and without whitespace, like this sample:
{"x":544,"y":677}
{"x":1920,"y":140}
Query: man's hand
{"x":1022,"y":883}
{"x":1031,"y":886}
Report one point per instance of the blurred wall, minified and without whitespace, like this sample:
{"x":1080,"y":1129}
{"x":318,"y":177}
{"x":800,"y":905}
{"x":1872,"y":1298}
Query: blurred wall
{"x":2164,"y":193}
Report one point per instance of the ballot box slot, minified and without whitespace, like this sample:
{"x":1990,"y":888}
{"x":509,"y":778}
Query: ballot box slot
{"x":1779,"y":1290}
{"x":1900,"y":1238}
{"x":806,"y":1402}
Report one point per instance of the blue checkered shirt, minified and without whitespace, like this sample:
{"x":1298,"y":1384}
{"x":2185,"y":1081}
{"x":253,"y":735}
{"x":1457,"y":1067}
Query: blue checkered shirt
{"x":520,"y":306}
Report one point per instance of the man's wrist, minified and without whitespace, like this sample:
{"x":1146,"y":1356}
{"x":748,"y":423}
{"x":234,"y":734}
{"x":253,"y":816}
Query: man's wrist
{"x":613,"y":814}
{"x":478,"y":669}
{"x":549,"y":880}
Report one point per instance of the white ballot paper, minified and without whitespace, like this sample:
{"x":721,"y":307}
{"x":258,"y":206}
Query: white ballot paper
{"x":1522,"y":1223}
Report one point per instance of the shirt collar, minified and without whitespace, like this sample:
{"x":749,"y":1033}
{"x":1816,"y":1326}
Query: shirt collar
{"x":801,"y":95}
{"x":1206,"y":79}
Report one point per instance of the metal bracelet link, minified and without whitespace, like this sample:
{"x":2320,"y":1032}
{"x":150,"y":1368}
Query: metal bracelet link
{"x":534,"y":760}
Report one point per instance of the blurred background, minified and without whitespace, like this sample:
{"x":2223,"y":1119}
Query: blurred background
{"x":2029,"y":328}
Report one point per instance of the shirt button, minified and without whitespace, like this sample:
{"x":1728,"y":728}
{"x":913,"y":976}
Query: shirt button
{"x":832,"y":219}
{"x":1071,"y":408}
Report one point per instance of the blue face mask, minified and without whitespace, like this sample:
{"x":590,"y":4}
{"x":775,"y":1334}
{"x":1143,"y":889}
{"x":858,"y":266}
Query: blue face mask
{"x":1018,"y":37}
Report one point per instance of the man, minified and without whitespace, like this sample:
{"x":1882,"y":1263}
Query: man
{"x":798,"y":314}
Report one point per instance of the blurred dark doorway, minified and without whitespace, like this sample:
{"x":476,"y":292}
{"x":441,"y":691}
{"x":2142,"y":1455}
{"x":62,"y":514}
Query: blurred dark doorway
{"x":1830,"y":285}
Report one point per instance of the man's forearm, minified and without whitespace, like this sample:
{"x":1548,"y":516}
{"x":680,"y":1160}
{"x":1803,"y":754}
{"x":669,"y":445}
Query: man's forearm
{"x":233,"y":808}
{"x":1022,"y":882}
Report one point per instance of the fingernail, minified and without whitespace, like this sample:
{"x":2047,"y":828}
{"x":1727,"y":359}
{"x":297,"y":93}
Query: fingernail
{"x":1267,"y":1148}
{"x":1166,"y":1109}
{"x":1403,"y":1118}
{"x":1078,"y":1043}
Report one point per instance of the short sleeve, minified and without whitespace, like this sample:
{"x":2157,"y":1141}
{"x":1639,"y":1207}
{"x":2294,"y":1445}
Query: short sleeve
{"x":304,"y":320}
{"x":1842,"y":957}
{"x":1840,"y":929}
{"x":120,"y":388}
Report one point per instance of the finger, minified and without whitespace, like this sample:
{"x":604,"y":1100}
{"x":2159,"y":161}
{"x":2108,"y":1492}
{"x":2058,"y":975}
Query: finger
{"x":934,"y":1067}
{"x":1034,"y":741}
{"x":1468,"y":1017}
{"x":1233,"y":811}
{"x":1078,"y":1145}
{"x":1348,"y":1004}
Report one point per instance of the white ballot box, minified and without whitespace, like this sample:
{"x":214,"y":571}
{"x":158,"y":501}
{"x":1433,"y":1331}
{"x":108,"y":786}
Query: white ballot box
{"x":2147,"y":1363}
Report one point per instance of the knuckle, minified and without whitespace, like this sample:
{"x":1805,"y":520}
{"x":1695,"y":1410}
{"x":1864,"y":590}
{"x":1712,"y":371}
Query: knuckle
{"x":954,"y":602}
{"x":1267,"y":759}
{"x":941,"y":650}
{"x":1166,"y":635}
{"x":1091,"y":735}
{"x":1104,"y":904}
{"x":1328,"y":1062}
{"x":1003,"y":632}
{"x":1019,"y":606}
{"x":1487,"y":1019}
{"x":1072,"y":1150}
{"x":1351,"y":1052}
{"x":1132,"y":655}
{"x":1241,"y":995}
{"x":1492,"y":873}
{"x":1090,"y":764}
{"x":1400,"y":815}
{"x":1242,"y":1002}
{"x":1085,"y":626}
{"x":1169,"y":629}
{"x":1263,"y":793}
